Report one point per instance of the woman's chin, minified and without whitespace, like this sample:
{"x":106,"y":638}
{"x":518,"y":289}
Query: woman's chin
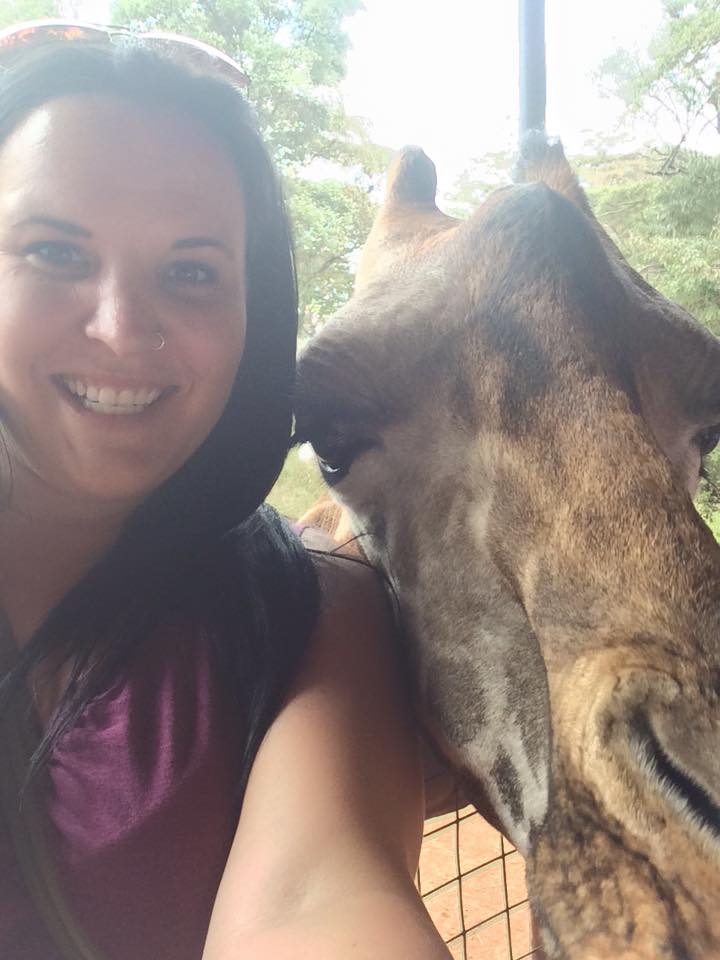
{"x":91,"y":491}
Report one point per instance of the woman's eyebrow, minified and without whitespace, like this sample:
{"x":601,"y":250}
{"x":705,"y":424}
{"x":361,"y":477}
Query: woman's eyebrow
{"x":187,"y":242}
{"x":64,"y":226}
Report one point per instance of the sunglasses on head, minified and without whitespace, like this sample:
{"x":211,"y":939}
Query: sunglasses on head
{"x":34,"y":34}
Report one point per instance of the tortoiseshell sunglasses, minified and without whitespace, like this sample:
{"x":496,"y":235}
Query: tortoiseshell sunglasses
{"x":32,"y":34}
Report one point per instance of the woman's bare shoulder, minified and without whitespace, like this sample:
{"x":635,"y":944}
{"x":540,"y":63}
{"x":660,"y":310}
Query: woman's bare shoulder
{"x":337,"y":784}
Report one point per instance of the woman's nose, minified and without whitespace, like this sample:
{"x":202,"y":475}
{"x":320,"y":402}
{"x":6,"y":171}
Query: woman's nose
{"x":123,"y":318}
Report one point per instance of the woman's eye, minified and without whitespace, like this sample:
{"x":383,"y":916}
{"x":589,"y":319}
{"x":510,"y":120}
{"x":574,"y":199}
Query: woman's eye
{"x":190,"y":273}
{"x":708,"y":439}
{"x":61,"y":258}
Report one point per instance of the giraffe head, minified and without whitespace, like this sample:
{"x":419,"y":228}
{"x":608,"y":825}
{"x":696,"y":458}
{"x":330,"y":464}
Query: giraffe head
{"x":515,"y":422}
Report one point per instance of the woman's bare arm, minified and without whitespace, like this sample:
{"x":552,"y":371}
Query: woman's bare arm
{"x":323,"y":860}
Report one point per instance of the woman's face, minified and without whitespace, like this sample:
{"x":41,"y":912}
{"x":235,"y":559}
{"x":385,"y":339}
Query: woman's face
{"x":120,"y":229}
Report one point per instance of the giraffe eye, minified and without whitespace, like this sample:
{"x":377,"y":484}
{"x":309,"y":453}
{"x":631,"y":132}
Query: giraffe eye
{"x":336,"y":455}
{"x":334,"y":471}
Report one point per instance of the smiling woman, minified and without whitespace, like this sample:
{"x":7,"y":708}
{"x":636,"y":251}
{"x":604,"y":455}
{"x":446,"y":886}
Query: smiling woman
{"x":179,"y":681}
{"x":158,"y":256}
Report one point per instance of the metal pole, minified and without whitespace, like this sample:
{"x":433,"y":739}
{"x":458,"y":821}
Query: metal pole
{"x":532,"y":65}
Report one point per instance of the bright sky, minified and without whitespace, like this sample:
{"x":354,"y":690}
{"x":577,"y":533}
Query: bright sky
{"x":444,"y":73}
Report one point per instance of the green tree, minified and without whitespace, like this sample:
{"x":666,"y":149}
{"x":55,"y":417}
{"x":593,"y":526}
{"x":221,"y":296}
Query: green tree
{"x":667,"y":227}
{"x":16,"y":11}
{"x":294,"y":53}
{"x":679,"y":78}
{"x":332,"y":221}
{"x":482,"y":176}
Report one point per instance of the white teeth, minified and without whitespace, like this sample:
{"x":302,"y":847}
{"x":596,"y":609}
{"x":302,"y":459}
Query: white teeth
{"x":97,"y":407}
{"x":110,"y":400}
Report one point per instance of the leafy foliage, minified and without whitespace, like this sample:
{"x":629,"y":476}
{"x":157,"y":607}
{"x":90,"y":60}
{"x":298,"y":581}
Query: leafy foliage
{"x":473,"y":186}
{"x":708,"y":498}
{"x":15,"y":11}
{"x":668,"y":228}
{"x":294,"y":53}
{"x":679,"y":79}
{"x":332,"y":221}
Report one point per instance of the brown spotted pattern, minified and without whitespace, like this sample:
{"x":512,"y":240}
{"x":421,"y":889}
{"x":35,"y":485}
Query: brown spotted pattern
{"x":513,"y":419}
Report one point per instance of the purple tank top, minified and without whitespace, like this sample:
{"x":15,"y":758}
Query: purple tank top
{"x":142,"y":811}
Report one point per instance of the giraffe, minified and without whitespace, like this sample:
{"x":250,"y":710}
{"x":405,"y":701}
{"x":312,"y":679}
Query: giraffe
{"x":514,"y":422}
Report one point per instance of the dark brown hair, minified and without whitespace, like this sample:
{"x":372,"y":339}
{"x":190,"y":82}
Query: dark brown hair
{"x":199,"y":544}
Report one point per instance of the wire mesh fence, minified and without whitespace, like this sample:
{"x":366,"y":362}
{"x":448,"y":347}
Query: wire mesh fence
{"x":473,"y":884}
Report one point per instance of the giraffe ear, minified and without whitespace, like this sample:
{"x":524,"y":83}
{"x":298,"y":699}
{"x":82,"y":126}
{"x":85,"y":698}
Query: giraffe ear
{"x":541,"y":159}
{"x":412,"y":179}
{"x":408,"y":223}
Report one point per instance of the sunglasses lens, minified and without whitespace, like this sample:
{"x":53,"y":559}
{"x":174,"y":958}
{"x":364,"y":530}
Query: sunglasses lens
{"x":202,"y":55}
{"x":14,"y":41}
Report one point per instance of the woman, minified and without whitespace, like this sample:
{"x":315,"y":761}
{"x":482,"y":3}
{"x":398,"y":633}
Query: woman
{"x":221,"y":760}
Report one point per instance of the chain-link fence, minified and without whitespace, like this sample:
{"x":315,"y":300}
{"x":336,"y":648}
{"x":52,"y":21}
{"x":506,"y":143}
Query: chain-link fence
{"x":472,"y":881}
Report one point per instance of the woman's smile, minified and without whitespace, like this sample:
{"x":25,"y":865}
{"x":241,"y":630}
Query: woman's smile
{"x":95,"y":395}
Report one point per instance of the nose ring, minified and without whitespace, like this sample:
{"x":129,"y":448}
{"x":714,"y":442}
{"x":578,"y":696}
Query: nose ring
{"x":159,"y":341}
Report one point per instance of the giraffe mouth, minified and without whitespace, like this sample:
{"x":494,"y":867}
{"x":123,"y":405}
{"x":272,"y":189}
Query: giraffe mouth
{"x":693,"y":800}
